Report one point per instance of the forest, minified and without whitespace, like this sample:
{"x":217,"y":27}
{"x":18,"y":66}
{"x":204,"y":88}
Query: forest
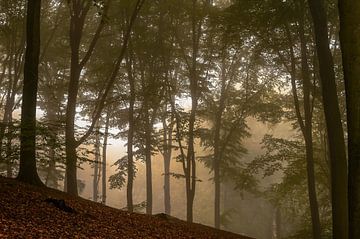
{"x":243,"y":115}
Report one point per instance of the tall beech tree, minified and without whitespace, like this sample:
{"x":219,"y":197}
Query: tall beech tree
{"x":335,"y":132}
{"x":28,"y":172}
{"x":78,"y":14}
{"x":304,"y":121}
{"x":79,"y":10}
{"x":104,"y":157}
{"x":197,"y":13}
{"x":350,"y":47}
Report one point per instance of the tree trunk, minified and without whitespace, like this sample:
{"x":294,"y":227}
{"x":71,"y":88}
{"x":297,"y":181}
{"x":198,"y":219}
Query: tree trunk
{"x":76,"y":27}
{"x":277,"y":223}
{"x":304,"y":125}
{"x":333,"y":122}
{"x":217,"y":153}
{"x":148,"y":160}
{"x":78,"y":13}
{"x":9,"y":148}
{"x":28,"y":172}
{"x":96,"y":165}
{"x":50,"y":180}
{"x":350,"y":47}
{"x":167,"y":135}
{"x":71,"y":164}
{"x":131,"y":119}
{"x":307,"y":130}
{"x":190,"y":161}
{"x":51,"y":177}
{"x":104,"y":155}
{"x":190,"y":173}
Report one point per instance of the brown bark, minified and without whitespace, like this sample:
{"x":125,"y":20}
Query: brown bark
{"x":79,"y":12}
{"x":148,"y":130}
{"x":333,"y":122}
{"x":104,"y":158}
{"x":167,"y":151}
{"x":96,"y":164}
{"x":305,"y":123}
{"x":350,"y":46}
{"x":130,"y":136}
{"x":190,"y":172}
{"x":77,"y":20}
{"x":28,"y":172}
{"x":217,"y":153}
{"x":307,"y":133}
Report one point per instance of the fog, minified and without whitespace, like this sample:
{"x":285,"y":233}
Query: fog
{"x":217,"y":110}
{"x":246,"y":209}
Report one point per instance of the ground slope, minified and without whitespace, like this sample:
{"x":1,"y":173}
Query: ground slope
{"x":31,"y":212}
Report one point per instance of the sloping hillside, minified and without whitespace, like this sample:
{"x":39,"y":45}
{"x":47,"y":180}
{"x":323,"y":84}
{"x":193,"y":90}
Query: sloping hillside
{"x":32,"y":212}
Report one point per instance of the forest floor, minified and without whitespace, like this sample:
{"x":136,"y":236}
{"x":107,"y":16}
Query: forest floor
{"x":38,"y":212}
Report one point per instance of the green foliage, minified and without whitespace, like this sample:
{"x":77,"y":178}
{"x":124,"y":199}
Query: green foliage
{"x":117,"y":180}
{"x":286,"y":158}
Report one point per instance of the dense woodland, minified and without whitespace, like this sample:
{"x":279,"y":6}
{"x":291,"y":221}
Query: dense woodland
{"x":181,"y":81}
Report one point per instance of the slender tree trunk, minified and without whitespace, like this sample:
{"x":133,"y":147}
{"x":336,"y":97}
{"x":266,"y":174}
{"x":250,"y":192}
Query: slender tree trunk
{"x":350,"y":47}
{"x":167,"y":135}
{"x":190,"y":173}
{"x":167,"y":201}
{"x":104,"y":156}
{"x":96,"y":165}
{"x":307,"y":130}
{"x":78,"y":12}
{"x":168,"y":129}
{"x":130,"y":138}
{"x":51,"y":179}
{"x":217,"y":153}
{"x":148,"y":159}
{"x":9,"y":148}
{"x":277,"y":222}
{"x":333,"y":122}
{"x":28,"y":172}
{"x":76,"y":26}
{"x":217,"y":170}
{"x":305,"y":125}
{"x":190,"y":162}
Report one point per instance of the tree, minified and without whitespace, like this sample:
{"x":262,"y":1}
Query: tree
{"x":285,"y":33}
{"x":13,"y":46}
{"x":130,"y":136}
{"x":79,"y":11}
{"x":333,"y":121}
{"x":28,"y":171}
{"x":51,"y":93}
{"x":97,"y":165}
{"x":350,"y":46}
{"x":190,"y":44}
{"x":104,"y":156}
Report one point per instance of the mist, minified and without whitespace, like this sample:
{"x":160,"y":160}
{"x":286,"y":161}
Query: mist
{"x":231,"y":114}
